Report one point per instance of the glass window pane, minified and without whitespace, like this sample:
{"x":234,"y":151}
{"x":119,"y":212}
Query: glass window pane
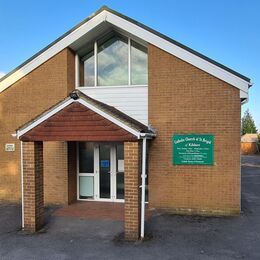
{"x":120,"y":157}
{"x":86,"y":157}
{"x":112,"y":62}
{"x":104,"y":177}
{"x":139,"y":67}
{"x":89,"y":71}
{"x":86,"y":187}
{"x":120,"y":190}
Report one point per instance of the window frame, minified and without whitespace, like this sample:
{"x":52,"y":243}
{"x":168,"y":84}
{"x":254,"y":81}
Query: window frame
{"x":95,"y":49}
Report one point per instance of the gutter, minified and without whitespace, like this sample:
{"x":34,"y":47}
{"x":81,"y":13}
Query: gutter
{"x":250,"y":84}
{"x":147,"y":135}
{"x":244,"y":101}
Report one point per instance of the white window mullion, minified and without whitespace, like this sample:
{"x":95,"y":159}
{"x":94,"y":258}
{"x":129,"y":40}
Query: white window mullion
{"x":129,"y":61}
{"x":113,"y":171}
{"x":95,"y":62}
{"x":96,"y":172}
{"x":77,"y":71}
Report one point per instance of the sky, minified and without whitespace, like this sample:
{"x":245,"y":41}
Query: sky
{"x":227,"y":31}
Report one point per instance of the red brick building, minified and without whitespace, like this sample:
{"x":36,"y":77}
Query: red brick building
{"x":115,"y":111}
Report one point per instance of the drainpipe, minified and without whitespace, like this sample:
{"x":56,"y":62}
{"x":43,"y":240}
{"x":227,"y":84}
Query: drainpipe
{"x":143,"y":176}
{"x":22,"y":190}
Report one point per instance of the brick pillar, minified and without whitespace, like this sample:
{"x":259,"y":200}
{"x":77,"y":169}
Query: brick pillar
{"x":55,"y":156}
{"x":72,"y":172}
{"x":132,"y":158}
{"x":33,"y":185}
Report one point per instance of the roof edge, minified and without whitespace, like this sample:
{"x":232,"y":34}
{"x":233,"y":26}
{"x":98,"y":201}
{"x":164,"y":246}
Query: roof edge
{"x":105,"y":8}
{"x":178,"y":44}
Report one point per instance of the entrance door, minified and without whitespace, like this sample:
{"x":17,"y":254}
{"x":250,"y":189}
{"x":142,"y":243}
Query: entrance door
{"x":100,"y":171}
{"x":105,"y":171}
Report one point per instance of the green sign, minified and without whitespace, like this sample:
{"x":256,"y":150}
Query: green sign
{"x":194,"y":149}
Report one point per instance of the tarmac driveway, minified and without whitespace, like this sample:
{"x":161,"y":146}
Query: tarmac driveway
{"x":174,"y":237}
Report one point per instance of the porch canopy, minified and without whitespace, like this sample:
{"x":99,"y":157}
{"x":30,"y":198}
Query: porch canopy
{"x":80,"y":118}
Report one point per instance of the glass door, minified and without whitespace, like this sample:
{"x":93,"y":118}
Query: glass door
{"x":100,"y":171}
{"x":86,"y":170}
{"x":105,"y":172}
{"x":111,"y":171}
{"x":120,"y":187}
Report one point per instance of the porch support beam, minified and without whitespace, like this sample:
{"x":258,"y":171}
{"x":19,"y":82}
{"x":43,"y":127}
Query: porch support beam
{"x":132,"y":160}
{"x":33,"y":186}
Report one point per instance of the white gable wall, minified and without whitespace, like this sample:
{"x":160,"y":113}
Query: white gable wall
{"x":131,"y":100}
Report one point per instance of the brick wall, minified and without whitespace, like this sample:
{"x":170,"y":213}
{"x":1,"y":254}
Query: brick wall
{"x":55,"y":172}
{"x":184,"y":99}
{"x":132,"y":161}
{"x":33,"y":185}
{"x":21,"y":102}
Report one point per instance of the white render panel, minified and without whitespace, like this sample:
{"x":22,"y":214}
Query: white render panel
{"x":131,"y":100}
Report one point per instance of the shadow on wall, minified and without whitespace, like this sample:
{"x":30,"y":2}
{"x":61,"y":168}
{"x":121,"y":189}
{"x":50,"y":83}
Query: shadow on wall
{"x":3,"y":193}
{"x":9,"y":185}
{"x":12,"y":168}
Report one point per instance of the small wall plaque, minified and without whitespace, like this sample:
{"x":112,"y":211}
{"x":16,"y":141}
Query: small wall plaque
{"x":9,"y":147}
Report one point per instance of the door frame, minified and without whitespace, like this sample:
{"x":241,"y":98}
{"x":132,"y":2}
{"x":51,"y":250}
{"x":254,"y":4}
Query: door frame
{"x":113,"y":174}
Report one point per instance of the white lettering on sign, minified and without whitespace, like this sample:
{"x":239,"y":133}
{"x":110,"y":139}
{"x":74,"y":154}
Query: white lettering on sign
{"x":9,"y":147}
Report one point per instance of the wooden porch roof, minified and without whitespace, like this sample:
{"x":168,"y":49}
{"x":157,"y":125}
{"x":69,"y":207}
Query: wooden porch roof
{"x":81,"y":118}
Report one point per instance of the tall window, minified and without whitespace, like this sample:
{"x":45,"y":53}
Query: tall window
{"x":116,"y":61}
{"x":139,"y":72}
{"x":89,"y":69}
{"x":112,"y":62}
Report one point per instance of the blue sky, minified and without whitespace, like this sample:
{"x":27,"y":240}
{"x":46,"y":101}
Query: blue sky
{"x":225,"y":30}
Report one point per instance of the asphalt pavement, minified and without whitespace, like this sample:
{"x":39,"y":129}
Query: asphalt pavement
{"x":170,"y":236}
